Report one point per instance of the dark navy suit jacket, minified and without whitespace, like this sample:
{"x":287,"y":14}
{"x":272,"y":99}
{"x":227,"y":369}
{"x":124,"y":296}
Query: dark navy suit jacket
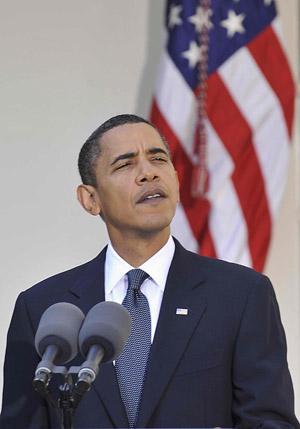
{"x":222,"y":364}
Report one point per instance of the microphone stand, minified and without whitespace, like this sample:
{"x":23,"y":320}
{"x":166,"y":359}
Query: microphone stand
{"x":66,"y":404}
{"x":70,"y":394}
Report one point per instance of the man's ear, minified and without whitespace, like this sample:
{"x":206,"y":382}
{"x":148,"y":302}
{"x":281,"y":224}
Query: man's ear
{"x":89,"y":199}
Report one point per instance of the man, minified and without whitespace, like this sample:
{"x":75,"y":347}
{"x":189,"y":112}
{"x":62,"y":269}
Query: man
{"x":218,"y":353}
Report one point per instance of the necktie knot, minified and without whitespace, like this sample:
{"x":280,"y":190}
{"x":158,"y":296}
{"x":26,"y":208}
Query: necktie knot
{"x":136,"y":278}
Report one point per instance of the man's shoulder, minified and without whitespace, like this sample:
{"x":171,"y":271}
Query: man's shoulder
{"x":59,"y":282}
{"x":219,"y":273}
{"x":226,"y":285}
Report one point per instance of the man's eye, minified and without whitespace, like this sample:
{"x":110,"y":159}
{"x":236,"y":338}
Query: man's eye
{"x":159,"y":158}
{"x":123,"y":165}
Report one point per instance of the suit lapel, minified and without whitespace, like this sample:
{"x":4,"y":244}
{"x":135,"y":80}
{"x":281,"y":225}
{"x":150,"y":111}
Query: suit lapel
{"x":184,"y":289}
{"x":107,"y":388}
{"x":90,"y":290}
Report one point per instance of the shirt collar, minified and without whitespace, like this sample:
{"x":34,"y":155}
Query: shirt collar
{"x":157,"y":266}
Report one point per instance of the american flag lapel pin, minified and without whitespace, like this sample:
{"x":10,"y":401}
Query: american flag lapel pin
{"x":182,"y":311}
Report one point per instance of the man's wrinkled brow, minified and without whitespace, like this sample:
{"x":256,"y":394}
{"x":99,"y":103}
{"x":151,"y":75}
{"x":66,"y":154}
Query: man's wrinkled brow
{"x":130,"y":155}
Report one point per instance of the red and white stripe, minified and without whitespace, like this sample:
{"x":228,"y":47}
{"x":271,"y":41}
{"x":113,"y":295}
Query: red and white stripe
{"x":250,"y":112}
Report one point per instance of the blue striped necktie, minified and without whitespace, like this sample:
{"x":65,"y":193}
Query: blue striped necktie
{"x":131,"y":365}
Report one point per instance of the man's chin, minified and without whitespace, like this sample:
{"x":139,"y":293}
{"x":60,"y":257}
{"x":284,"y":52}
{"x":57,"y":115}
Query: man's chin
{"x":153,"y":227}
{"x":142,"y":226}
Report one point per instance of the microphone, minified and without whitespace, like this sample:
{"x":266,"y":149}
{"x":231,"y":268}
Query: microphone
{"x":56,"y":339}
{"x":102,"y":338}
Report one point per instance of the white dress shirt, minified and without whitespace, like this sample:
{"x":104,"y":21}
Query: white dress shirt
{"x":153,"y":288}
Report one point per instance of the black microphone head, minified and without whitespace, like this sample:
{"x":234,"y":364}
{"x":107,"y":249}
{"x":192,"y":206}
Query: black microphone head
{"x":107,"y":324}
{"x":59,"y":326}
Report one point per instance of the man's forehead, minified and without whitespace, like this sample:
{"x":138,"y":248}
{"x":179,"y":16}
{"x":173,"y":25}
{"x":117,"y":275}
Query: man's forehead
{"x":131,"y":137}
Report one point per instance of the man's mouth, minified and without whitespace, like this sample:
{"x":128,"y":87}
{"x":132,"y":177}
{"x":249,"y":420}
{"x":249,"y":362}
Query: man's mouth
{"x":151,"y":196}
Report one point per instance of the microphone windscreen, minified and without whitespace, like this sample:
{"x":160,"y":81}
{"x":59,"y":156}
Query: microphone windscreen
{"x":107,"y":324}
{"x":59,"y":326}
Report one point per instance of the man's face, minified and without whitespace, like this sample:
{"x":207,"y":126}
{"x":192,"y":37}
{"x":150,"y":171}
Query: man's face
{"x":137,"y":186}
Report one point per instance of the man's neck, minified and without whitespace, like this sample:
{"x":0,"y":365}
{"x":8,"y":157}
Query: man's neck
{"x":137,"y":250}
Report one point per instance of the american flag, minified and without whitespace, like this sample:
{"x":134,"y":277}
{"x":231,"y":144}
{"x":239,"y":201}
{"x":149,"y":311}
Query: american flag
{"x":224,"y":99}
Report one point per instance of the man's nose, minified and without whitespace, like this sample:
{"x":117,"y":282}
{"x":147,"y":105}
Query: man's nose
{"x":147,"y":173}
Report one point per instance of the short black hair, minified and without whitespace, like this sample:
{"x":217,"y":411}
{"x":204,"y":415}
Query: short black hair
{"x":91,"y":149}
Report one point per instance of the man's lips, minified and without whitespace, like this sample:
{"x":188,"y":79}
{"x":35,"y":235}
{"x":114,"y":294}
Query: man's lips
{"x":151,"y":195}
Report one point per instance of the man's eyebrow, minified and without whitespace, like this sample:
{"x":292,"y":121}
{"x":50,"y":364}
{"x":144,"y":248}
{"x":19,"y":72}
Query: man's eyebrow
{"x":155,"y":150}
{"x":127,"y":155}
